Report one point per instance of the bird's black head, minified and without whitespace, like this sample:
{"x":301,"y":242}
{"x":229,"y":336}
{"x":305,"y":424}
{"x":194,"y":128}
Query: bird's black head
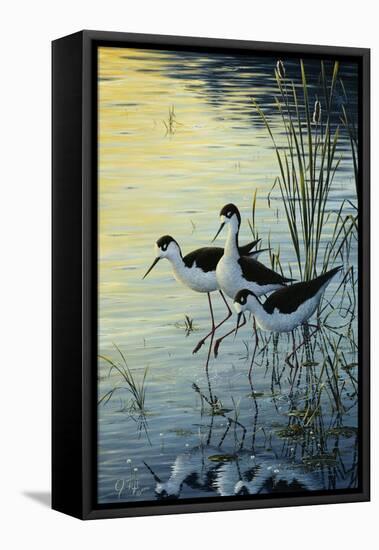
{"x":241,"y":304}
{"x":227,"y":213}
{"x":164,"y":250}
{"x":164,"y":241}
{"x":229,"y":210}
{"x":242,"y":296}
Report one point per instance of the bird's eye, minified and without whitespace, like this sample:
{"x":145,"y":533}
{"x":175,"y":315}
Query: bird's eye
{"x":228,"y":215}
{"x":164,"y":246}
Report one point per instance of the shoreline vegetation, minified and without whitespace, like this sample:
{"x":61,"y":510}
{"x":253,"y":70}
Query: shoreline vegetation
{"x":309,"y":153}
{"x":308,"y":161}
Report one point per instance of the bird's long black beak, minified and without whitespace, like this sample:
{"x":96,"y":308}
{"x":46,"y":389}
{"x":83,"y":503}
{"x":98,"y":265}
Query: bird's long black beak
{"x":238,"y":323}
{"x":219,"y":231}
{"x":151,"y":267}
{"x":156,"y":478}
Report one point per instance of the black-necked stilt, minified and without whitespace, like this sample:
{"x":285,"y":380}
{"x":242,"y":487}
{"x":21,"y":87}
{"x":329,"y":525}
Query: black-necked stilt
{"x":287,"y":308}
{"x":235,"y":272}
{"x":197,"y":270}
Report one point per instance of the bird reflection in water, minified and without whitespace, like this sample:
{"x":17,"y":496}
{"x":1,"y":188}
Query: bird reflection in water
{"x":225,"y":471}
{"x":208,"y":469}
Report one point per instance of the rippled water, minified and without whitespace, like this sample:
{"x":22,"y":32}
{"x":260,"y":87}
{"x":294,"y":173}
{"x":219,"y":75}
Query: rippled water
{"x":154,"y":182}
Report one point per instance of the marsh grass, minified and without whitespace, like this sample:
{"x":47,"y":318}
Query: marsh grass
{"x":188,"y":325}
{"x":317,"y":412}
{"x":216,"y":409}
{"x":323,"y":373}
{"x":307,"y":164}
{"x":171,"y":123}
{"x":128,"y":382}
{"x":351,"y":130}
{"x":308,"y":149}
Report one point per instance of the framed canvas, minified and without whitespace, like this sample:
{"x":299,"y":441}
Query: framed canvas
{"x":210,"y":274}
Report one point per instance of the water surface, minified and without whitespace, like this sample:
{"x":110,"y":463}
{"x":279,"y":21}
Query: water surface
{"x":154,"y":180}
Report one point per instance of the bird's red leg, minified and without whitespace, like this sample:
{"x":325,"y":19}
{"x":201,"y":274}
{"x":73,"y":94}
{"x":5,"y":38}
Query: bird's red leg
{"x":214,"y":328}
{"x":218,"y":342}
{"x":209,"y":350}
{"x":253,"y":358}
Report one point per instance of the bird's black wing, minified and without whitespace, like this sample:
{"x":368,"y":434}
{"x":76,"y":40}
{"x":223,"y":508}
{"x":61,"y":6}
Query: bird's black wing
{"x":288,"y":299}
{"x":206,"y":258}
{"x":246,"y":249}
{"x":258,"y":273}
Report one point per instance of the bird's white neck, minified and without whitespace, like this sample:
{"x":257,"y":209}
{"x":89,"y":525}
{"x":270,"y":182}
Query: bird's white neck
{"x":176,"y":260}
{"x":231,"y":245}
{"x":265,"y":321}
{"x":255,"y":307}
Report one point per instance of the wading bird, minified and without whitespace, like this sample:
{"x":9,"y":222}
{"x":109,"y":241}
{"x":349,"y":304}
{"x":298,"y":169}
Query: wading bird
{"x":287,"y":308}
{"x":197,"y":270}
{"x":235,"y":272}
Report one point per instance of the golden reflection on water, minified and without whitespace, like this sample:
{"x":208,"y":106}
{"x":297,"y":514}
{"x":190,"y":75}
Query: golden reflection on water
{"x":152,"y":182}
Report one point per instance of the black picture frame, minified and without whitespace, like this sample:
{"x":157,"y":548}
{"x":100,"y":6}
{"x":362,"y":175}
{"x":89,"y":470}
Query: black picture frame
{"x":74,"y":295}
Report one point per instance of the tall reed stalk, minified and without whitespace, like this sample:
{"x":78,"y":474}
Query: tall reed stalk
{"x":307,"y":164}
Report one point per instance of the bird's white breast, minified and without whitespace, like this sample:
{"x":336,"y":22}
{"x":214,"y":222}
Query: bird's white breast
{"x":230,"y":279}
{"x":195,"y":278}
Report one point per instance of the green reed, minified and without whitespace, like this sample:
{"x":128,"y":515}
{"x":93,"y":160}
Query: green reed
{"x":188,"y":325}
{"x":129,"y":383}
{"x":308,"y":163}
{"x":171,"y":123}
{"x":351,"y":130}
